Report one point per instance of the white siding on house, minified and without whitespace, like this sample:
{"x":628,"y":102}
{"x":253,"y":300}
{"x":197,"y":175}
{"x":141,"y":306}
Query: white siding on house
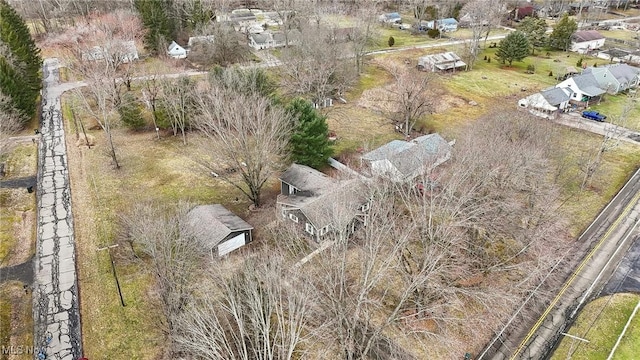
{"x":231,"y":244}
{"x":586,"y":46}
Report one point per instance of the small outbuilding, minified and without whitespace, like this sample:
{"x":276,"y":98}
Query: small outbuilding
{"x":219,"y":229}
{"x":586,"y":41}
{"x":176,"y":51}
{"x":547,"y":103}
{"x":391,"y":18}
{"x":447,"y":61}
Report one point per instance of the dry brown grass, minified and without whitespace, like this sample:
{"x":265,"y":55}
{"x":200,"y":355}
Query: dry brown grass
{"x":16,"y":323}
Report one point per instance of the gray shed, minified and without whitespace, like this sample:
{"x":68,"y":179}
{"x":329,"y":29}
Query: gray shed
{"x":219,"y":229}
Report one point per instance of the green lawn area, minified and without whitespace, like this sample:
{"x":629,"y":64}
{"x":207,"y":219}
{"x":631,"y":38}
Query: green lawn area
{"x":620,"y":34}
{"x":613,"y":105}
{"x":601,"y":322}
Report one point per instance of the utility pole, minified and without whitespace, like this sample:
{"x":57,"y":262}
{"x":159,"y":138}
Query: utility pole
{"x":113,"y":268}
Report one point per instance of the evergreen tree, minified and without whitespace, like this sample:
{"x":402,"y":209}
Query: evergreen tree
{"x":309,"y":142}
{"x":131,"y":113}
{"x":535,"y":29}
{"x":561,"y":36}
{"x":157,"y":18}
{"x":514,"y":47}
{"x":20,"y":62}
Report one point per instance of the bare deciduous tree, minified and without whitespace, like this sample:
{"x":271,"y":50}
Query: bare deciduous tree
{"x":411,"y":96}
{"x":177,"y":103}
{"x":315,"y":68}
{"x":246,"y":136}
{"x":481,"y":16}
{"x":176,"y":253}
{"x":260,"y":312}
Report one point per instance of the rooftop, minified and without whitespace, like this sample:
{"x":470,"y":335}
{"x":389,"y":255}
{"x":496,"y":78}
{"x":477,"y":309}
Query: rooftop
{"x":212,"y":223}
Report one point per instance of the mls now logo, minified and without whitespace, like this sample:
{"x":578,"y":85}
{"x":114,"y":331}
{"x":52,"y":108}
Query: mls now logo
{"x":17,"y":350}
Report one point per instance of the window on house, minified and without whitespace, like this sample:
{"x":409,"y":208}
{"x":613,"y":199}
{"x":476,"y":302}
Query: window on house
{"x":309,"y":228}
{"x":365,"y":207}
{"x":284,"y":213}
{"x":575,"y":95}
{"x":324,"y":230}
{"x":293,"y":218}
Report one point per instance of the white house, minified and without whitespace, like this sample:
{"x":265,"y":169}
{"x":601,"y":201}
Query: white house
{"x":586,"y":41}
{"x":176,"y":51}
{"x":547,"y":102}
{"x":585,"y":88}
{"x":443,"y":25}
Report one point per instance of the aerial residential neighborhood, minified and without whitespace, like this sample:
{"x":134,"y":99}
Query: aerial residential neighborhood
{"x":327,"y":179}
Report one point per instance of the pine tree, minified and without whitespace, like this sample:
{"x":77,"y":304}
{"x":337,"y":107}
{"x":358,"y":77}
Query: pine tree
{"x":535,"y":29}
{"x":157,"y":18}
{"x":309,"y":142}
{"x":514,"y":47}
{"x":561,"y":36}
{"x":20,"y":62}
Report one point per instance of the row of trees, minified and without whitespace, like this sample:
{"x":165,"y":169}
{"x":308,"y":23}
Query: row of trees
{"x":20,"y":65}
{"x":429,"y":265}
{"x":532,"y":35}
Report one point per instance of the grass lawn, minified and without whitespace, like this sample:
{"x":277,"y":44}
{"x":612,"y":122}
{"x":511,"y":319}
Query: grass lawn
{"x":16,"y":321}
{"x":620,"y":34}
{"x":17,"y":208}
{"x":601,"y":322}
{"x":613,"y":105}
{"x":161,"y":170}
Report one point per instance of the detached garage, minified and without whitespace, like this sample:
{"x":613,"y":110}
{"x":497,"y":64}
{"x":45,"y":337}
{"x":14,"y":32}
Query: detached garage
{"x":220,"y":229}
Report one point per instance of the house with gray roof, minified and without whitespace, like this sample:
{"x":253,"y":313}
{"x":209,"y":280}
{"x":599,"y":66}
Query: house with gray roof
{"x":114,"y":51}
{"x":586,"y":41}
{"x":321,"y":205}
{"x":403,"y":161}
{"x":585,"y":87}
{"x":615,"y":78}
{"x":547,"y":103}
{"x":219,"y":229}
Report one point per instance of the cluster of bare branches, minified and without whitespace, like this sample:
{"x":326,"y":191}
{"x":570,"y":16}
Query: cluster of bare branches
{"x":244,"y":131}
{"x":433,"y":262}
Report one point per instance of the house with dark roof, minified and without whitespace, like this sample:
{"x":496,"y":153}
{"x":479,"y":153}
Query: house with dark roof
{"x":520,"y":13}
{"x":268,"y":39}
{"x":446,"y":61}
{"x":403,"y":161}
{"x":547,"y":103}
{"x":219,"y":229}
{"x":586,"y":41}
{"x":615,"y":78}
{"x":321,"y":205}
{"x":585,"y":87}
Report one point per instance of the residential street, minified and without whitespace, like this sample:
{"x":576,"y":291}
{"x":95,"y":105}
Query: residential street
{"x":605,"y":242}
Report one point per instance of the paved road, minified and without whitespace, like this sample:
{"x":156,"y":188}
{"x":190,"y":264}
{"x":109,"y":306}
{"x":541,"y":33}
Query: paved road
{"x":602,"y":128}
{"x":605,"y":241}
{"x":626,"y":277}
{"x":55,"y":293}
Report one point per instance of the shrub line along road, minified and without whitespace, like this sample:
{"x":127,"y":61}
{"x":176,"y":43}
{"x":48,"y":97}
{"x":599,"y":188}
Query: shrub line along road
{"x":609,"y":236}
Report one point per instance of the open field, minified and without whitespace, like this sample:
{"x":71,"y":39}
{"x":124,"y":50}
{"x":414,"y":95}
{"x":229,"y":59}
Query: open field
{"x":621,"y":34}
{"x":16,"y":321}
{"x":601,"y":322}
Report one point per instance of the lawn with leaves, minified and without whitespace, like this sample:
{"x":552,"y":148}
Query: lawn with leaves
{"x":601,"y":322}
{"x":612,"y":106}
{"x":161,"y":170}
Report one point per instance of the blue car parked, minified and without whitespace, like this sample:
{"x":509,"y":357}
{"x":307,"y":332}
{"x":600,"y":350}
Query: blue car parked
{"x":593,"y":115}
